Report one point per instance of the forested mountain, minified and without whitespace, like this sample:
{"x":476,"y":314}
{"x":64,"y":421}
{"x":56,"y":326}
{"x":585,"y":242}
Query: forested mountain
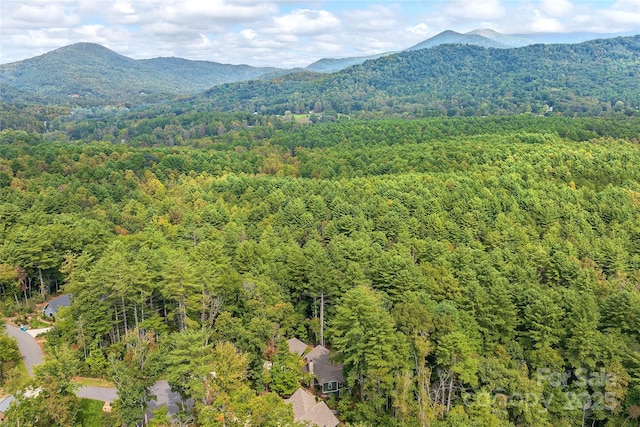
{"x":508,"y":40}
{"x":474,"y":271}
{"x":90,"y":74}
{"x":331,"y":65}
{"x":452,"y":37}
{"x":571,"y":37}
{"x":587,"y":78}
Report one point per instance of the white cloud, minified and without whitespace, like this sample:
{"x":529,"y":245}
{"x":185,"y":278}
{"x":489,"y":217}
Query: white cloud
{"x":422,"y":29}
{"x":122,"y":6}
{"x":477,"y":10}
{"x":33,"y":15}
{"x":543,"y":24}
{"x":624,"y":20}
{"x":374,"y":19}
{"x":556,"y":8}
{"x":249,"y":34}
{"x":221,"y":10}
{"x":627,"y":5}
{"x":306,"y":22}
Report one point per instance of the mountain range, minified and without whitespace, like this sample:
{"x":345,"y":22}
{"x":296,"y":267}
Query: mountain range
{"x":90,"y":74}
{"x":585,"y":78}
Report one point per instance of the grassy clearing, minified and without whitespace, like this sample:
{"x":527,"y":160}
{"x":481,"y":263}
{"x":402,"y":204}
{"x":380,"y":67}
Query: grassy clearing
{"x":93,"y":382}
{"x":301,"y":118}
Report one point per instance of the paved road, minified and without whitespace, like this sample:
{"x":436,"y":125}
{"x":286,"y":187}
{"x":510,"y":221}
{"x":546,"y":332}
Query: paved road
{"x":31,"y":352}
{"x":32,"y":355}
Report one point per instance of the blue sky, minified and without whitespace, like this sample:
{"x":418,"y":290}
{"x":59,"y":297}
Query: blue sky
{"x":285,"y":33}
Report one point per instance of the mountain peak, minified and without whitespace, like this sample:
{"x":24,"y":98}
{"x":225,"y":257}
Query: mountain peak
{"x":509,"y":41}
{"x":452,"y":37}
{"x":85,"y":47}
{"x":447,"y":33}
{"x":85,"y":51}
{"x":486,"y":32}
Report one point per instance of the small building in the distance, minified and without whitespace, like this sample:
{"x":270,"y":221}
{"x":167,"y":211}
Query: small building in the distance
{"x":52,"y":307}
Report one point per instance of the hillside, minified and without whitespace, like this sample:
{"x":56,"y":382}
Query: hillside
{"x":90,"y":74}
{"x":508,"y":40}
{"x":331,"y":65}
{"x":586,"y":78}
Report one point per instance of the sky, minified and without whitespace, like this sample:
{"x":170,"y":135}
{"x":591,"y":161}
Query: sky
{"x":284,"y":33}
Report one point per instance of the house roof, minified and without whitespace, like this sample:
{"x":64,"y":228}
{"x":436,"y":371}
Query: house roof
{"x":307,"y":409}
{"x":297,"y":346}
{"x":55,"y":304}
{"x":317,"y":352}
{"x":323,"y":369}
{"x":302,"y":402}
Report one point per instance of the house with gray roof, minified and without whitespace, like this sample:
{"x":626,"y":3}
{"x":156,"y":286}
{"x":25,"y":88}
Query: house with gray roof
{"x":53,"y":306}
{"x":307,"y":409}
{"x":328,"y":375}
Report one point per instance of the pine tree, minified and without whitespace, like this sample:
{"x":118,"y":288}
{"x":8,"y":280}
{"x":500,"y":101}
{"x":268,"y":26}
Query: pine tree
{"x":365,"y":342}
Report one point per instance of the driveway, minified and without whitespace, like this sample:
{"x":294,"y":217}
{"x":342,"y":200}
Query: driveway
{"x":32,"y":355}
{"x":29,"y":348}
{"x":105,"y":394}
{"x":164,"y":396}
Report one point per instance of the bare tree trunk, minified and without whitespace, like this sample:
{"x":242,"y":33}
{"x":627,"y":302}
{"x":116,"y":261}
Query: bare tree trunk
{"x":450,"y":393}
{"x":42,"y":288}
{"x":84,"y":342}
{"x":117,"y":322}
{"x":443,"y":394}
{"x":164,"y":307}
{"x":423,"y":393}
{"x":182,"y":314}
{"x":322,"y":319}
{"x":146,"y":417}
{"x":142,"y":305}
{"x":124,"y":315}
{"x":204,"y":307}
{"x":135,"y":313}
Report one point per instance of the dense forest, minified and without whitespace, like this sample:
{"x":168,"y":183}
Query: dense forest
{"x":474,"y":271}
